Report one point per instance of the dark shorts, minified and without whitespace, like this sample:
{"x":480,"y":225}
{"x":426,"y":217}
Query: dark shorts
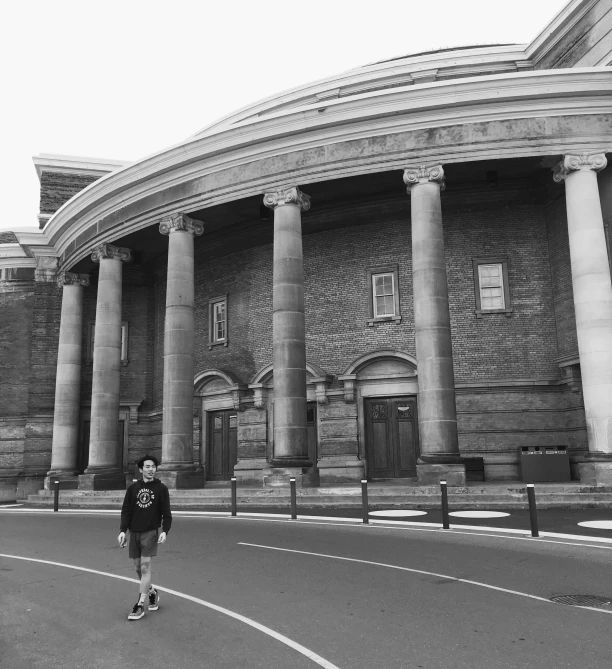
{"x":143,"y":544}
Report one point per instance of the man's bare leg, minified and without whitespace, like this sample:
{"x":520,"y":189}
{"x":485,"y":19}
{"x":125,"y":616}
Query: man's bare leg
{"x":145,"y":577}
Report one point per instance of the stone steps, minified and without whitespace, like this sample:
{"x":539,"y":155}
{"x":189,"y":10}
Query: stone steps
{"x":510,"y":495}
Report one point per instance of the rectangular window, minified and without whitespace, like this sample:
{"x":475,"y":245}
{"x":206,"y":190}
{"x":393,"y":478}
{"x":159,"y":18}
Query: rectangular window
{"x":383,"y":294}
{"x":219,"y":327}
{"x":217,"y":317}
{"x":491,"y":286}
{"x":492,"y":295}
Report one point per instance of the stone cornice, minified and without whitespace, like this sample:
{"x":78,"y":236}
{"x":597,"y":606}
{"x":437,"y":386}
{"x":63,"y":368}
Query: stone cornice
{"x":284,"y":196}
{"x":72,"y":279}
{"x":579,"y":163}
{"x":113,"y":204}
{"x":110,"y":251}
{"x":422,"y":175}
{"x":562,"y":23}
{"x":180,"y":223}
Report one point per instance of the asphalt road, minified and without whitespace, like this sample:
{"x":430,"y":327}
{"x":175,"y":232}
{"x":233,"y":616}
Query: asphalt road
{"x":345,"y":613}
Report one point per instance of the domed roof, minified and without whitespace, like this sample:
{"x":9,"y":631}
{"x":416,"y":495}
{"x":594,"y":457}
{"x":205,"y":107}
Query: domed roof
{"x":427,"y":67}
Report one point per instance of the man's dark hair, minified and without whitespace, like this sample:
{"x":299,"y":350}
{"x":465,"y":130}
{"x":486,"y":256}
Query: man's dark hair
{"x":142,"y":460}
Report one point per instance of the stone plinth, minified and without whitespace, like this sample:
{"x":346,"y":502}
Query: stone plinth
{"x":278,"y":477}
{"x":430,"y":474}
{"x":181,"y":480}
{"x":109,"y":481}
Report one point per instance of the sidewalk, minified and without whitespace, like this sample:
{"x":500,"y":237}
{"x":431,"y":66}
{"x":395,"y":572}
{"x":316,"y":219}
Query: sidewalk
{"x":381,"y":494}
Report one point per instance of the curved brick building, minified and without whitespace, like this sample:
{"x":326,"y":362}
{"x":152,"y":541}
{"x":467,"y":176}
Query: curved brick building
{"x":388,"y":274}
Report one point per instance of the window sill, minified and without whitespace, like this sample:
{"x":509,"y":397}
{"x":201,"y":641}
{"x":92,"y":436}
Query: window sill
{"x":225,"y":342}
{"x":485,"y":312}
{"x":385,"y":319}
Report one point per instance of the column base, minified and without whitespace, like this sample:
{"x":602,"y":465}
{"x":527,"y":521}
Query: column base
{"x":432,"y":474}
{"x":250,"y":471}
{"x":181,"y":480}
{"x":102,"y":481}
{"x":339,"y":469}
{"x":278,"y":477}
{"x":595,"y":473}
{"x":67,"y":481}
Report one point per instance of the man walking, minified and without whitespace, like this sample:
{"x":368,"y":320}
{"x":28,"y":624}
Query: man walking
{"x":146,"y":506}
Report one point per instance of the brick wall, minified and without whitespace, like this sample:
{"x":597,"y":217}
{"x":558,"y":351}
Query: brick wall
{"x":56,"y":188}
{"x":16,"y":306}
{"x":561,"y":275}
{"x":495,"y":346}
{"x":47,"y":303}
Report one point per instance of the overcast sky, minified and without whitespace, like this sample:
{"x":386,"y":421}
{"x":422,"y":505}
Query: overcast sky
{"x":124,"y":79}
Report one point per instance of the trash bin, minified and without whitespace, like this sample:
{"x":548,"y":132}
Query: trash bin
{"x":541,"y":464}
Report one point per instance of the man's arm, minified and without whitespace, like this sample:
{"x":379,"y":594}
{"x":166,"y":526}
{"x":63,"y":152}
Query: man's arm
{"x":126,"y":510}
{"x":165,"y":511}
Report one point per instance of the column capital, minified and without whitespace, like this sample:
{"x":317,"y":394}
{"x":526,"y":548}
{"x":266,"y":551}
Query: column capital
{"x":182,"y":223}
{"x":72,"y":279}
{"x":422,"y":174}
{"x":110,"y":251}
{"x":580,"y":162}
{"x":282,"y":196}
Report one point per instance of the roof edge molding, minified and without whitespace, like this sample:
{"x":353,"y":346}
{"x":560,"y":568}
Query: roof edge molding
{"x":371,"y":132}
{"x":51,"y":162}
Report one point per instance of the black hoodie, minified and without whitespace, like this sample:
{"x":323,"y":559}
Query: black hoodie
{"x":144,"y":507}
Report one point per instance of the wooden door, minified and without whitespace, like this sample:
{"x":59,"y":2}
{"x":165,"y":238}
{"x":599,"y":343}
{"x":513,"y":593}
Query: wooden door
{"x":222,"y":445}
{"x":391,"y":437}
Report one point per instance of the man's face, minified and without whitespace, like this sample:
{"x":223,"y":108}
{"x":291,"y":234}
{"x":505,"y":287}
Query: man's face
{"x":148,"y":470}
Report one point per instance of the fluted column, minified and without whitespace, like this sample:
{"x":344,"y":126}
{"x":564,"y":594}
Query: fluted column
{"x":177,"y":468}
{"x":64,"y":447}
{"x":288,"y":329}
{"x":104,"y":469}
{"x":592,"y":303}
{"x":436,"y":403}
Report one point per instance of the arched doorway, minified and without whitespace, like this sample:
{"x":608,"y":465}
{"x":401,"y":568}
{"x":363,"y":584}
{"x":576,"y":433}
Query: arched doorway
{"x":384,"y":386}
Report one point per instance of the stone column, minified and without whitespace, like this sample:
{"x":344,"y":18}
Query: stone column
{"x":289,"y":337}
{"x":436,"y":403}
{"x":593,"y":306}
{"x":104,"y":471}
{"x":177,"y":469}
{"x":68,"y":382}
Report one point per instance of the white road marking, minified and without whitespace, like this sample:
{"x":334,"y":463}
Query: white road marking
{"x":317,"y":659}
{"x":418,"y":571}
{"x":399,"y":513}
{"x":480,"y":530}
{"x":597,"y":524}
{"x":478,"y":514}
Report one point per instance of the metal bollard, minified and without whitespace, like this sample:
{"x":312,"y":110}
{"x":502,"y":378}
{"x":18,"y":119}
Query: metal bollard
{"x":365,"y":507}
{"x":233,"y":496}
{"x":533,"y":512}
{"x":293,"y":500}
{"x":445,"y":519}
{"x":56,"y":497}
